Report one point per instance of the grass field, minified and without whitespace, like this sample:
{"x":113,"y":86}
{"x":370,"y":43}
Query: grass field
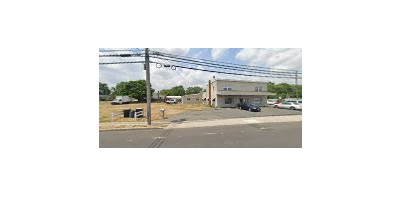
{"x":105,"y":109}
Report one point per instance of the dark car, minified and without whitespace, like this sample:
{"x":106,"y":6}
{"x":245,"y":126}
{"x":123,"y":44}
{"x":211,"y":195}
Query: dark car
{"x":249,"y":107}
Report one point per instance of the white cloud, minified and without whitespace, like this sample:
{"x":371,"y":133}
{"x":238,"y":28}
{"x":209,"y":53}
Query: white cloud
{"x":175,"y":51}
{"x":274,"y":58}
{"x":278,"y":58}
{"x":217,"y":53}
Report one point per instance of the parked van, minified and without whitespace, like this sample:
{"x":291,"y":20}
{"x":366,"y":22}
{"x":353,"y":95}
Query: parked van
{"x":121,"y":100}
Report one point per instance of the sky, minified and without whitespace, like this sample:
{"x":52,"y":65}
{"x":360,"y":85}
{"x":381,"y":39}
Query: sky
{"x":165,"y":78}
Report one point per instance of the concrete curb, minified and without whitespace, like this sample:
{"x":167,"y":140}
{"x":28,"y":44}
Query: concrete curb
{"x":235,"y":121}
{"x":134,"y":126}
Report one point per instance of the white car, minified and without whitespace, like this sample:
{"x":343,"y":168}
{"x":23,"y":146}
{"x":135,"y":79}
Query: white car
{"x":288,"y":105}
{"x":299,"y":102}
{"x":172,"y":101}
{"x":271,"y":101}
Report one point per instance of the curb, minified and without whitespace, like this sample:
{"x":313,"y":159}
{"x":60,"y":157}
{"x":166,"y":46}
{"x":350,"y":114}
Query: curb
{"x":128,"y":129}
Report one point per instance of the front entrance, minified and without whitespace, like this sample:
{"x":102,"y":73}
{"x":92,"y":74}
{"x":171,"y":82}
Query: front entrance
{"x":241,"y":100}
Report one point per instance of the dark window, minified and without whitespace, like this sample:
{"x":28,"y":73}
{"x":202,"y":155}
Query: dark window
{"x":227,"y":88}
{"x":188,"y":99}
{"x":228,"y":100}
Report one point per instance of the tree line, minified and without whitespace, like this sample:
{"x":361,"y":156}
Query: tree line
{"x":180,"y":91}
{"x":137,"y":89}
{"x":284,"y":90}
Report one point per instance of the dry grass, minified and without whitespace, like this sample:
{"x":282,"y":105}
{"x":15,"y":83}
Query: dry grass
{"x":105,"y":109}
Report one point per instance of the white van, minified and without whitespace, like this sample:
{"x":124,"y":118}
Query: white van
{"x":121,"y":100}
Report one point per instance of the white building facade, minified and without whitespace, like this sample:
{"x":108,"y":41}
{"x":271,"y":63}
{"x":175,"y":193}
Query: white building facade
{"x":228,"y":93}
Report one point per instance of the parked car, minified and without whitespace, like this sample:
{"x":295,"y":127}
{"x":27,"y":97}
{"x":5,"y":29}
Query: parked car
{"x":295,"y":101}
{"x":171,"y":101}
{"x":288,"y":105}
{"x":121,"y":100}
{"x":271,"y":101}
{"x":279,"y":101}
{"x":249,"y":106}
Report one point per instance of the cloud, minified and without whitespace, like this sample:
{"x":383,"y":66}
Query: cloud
{"x":273,"y":58}
{"x":217,"y":53}
{"x":279,"y":58}
{"x":174,"y":51}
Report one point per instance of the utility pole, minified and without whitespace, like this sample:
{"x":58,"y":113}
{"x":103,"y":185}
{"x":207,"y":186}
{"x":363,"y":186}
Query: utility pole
{"x":297,"y":96}
{"x":209,"y":93}
{"x":147,"y":67}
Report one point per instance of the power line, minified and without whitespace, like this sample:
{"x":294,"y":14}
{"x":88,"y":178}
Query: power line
{"x":121,"y":62}
{"x":234,"y":68}
{"x":114,"y":50}
{"x":185,"y":67}
{"x":220,"y":62}
{"x":123,"y":55}
{"x":222,"y":72}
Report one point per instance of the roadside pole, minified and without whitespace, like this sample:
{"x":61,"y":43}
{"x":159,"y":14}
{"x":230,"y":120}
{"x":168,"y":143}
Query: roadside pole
{"x":209,"y":93}
{"x":297,"y":96}
{"x":147,"y":67}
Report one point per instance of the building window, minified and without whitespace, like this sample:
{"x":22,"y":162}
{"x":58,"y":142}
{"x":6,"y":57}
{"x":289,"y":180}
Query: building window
{"x":257,"y":100}
{"x":227,"y":88}
{"x":197,"y":99}
{"x":258,"y":89}
{"x":188,"y":99}
{"x":228,"y":100}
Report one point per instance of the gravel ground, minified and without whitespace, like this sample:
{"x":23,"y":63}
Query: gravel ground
{"x":224,"y":113}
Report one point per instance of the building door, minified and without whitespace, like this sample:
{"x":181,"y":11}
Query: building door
{"x":241,"y":100}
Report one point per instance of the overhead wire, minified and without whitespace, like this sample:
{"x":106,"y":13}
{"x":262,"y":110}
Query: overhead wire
{"x":220,"y":62}
{"x":204,"y":63}
{"x":231,"y":68}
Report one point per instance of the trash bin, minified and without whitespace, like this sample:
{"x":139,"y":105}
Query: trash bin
{"x":126,"y":113}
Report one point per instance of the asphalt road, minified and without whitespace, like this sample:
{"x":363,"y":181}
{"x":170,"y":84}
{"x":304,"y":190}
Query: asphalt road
{"x":263,"y":135}
{"x":224,"y":113}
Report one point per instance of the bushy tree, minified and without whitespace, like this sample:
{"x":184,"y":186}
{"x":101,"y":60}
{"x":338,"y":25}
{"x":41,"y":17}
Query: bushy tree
{"x":103,"y":89}
{"x":177,"y":91}
{"x":284,"y":90}
{"x":193,"y":90}
{"x":134,"y":89}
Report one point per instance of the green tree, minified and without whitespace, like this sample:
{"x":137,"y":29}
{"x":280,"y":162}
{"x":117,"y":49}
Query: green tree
{"x":134,"y":89}
{"x":193,"y":90}
{"x":177,"y":91}
{"x":165,"y":92}
{"x":284,"y":90}
{"x":103,"y":89}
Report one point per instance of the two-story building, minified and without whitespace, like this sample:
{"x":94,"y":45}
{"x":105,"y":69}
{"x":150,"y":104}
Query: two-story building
{"x":228,"y":93}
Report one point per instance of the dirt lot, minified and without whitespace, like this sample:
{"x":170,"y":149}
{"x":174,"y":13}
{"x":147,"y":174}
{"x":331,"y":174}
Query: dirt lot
{"x":105,"y":109}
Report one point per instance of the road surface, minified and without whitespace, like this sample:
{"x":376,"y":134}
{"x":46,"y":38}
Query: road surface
{"x":262,"y":135}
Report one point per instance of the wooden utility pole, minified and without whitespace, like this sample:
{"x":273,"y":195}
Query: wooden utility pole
{"x":297,"y":96}
{"x":147,"y":67}
{"x":209,"y":93}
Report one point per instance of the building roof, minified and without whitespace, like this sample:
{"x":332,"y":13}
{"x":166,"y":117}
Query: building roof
{"x":234,"y":80}
{"x":244,"y":93}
